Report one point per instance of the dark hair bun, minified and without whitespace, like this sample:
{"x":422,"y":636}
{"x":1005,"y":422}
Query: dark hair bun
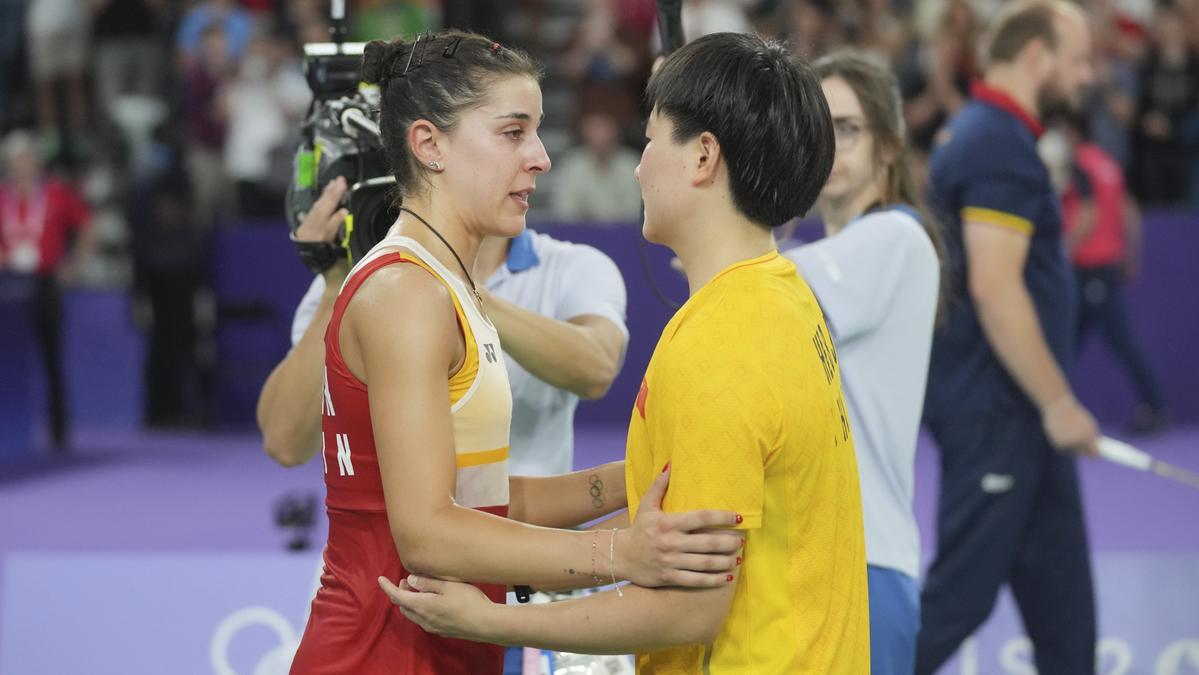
{"x":379,"y":60}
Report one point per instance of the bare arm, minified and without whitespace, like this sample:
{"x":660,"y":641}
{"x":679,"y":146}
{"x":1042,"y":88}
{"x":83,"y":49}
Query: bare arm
{"x":289,"y":406}
{"x":414,"y":441}
{"x":600,"y":624}
{"x":569,"y":499}
{"x":642,"y":620}
{"x":619,"y":521}
{"x":996,"y":257}
{"x":582,"y":355}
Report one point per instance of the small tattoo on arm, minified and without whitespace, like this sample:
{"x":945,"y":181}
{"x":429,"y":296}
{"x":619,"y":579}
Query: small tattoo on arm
{"x":597,"y":491}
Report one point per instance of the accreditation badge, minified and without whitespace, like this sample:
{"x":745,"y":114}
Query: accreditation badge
{"x":25,"y":257}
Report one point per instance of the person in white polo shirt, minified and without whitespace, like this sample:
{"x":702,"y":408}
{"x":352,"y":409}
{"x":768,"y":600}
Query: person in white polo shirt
{"x":560,"y":311}
{"x":559,"y":308}
{"x":877,"y":278}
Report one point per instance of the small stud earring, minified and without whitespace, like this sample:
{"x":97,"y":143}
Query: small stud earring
{"x":436,"y":166}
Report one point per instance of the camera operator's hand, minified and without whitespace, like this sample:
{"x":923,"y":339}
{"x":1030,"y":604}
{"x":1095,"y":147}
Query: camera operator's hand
{"x":322,"y":222}
{"x":323,"y":219}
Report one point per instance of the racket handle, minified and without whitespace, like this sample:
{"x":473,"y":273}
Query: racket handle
{"x":1122,"y":453}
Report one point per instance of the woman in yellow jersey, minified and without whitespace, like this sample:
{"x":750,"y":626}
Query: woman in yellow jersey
{"x":742,"y":398}
{"x":416,"y":403}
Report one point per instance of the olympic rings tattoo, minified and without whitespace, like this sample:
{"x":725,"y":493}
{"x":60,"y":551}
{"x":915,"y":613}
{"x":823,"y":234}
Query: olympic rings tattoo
{"x":597,"y":491}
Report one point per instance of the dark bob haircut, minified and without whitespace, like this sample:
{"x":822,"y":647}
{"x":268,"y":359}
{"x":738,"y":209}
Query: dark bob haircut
{"x":765,"y":107}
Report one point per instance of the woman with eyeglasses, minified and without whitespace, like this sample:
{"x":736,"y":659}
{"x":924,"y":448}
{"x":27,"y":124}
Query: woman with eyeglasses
{"x":877,"y":277}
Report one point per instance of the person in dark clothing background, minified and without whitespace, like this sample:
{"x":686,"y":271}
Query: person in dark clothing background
{"x":1168,"y":104}
{"x":998,"y":402}
{"x":1102,"y":225}
{"x":41,"y":217}
{"x":170,"y":257}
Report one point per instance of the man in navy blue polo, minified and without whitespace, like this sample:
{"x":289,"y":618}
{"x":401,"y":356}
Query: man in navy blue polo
{"x":998,"y":402}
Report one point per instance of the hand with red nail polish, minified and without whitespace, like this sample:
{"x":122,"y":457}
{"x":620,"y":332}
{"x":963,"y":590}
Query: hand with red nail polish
{"x":693,"y":549}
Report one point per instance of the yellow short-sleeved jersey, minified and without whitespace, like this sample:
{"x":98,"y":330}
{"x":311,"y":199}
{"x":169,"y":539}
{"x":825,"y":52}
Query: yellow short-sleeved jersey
{"x":743,"y":398}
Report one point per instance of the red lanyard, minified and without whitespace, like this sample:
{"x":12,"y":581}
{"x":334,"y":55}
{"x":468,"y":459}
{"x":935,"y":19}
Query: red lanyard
{"x":28,"y":229}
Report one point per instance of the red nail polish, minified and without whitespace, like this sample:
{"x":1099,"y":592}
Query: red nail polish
{"x":739,"y":519}
{"x":665,"y":467}
{"x":738,"y":560}
{"x":729,"y":578}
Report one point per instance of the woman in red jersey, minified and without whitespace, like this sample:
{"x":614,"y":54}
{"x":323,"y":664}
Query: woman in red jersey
{"x":416,"y":404}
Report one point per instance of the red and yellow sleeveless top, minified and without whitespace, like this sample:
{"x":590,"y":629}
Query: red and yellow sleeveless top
{"x":353,"y":626}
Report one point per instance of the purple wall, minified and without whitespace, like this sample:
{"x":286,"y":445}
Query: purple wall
{"x":258,"y":281}
{"x":1164,"y":304}
{"x":17,"y":359}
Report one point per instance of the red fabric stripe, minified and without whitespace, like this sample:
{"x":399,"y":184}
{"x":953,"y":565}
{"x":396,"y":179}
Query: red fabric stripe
{"x":1003,"y":101}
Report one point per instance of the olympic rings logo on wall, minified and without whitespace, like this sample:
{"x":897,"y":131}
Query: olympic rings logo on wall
{"x":277,"y":661}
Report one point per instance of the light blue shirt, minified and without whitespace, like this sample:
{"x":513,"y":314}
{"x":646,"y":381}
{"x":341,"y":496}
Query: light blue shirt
{"x":236,"y":23}
{"x":553,"y":278}
{"x":877,"y":281}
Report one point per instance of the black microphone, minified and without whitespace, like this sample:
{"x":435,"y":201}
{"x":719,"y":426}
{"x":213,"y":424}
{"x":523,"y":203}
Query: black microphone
{"x":670,"y":25}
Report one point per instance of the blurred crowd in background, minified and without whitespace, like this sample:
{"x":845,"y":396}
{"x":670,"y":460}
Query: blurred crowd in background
{"x":164,"y":120}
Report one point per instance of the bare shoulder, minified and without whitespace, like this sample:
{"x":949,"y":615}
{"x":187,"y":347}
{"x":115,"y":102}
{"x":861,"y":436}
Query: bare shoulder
{"x":402,"y":302}
{"x":402,"y":287}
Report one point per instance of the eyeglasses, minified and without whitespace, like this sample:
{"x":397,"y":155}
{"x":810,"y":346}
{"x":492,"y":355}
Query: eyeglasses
{"x":847,"y":131}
